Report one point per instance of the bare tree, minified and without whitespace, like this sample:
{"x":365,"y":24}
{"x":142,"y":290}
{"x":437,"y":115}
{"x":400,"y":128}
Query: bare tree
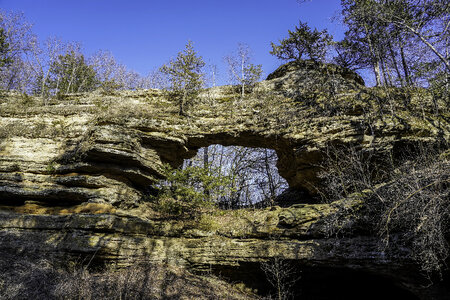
{"x":407,"y":201}
{"x":282,"y":275}
{"x":241,"y":70}
{"x":213,"y":72}
{"x":420,"y":18}
{"x":107,"y":69}
{"x":20,"y":39}
{"x":254,"y":178}
{"x":157,"y":80}
{"x":41,"y":60}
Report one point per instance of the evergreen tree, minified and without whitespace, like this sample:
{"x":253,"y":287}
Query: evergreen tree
{"x":71,"y":74}
{"x":397,"y":39}
{"x":303,"y":42}
{"x":349,"y":54}
{"x":185,"y":76}
{"x":4,"y":49}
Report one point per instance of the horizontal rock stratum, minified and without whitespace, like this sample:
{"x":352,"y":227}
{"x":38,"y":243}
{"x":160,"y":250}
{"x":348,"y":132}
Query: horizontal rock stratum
{"x":75,"y":172}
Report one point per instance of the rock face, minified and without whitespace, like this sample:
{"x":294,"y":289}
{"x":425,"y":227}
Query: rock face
{"x":74,"y":172}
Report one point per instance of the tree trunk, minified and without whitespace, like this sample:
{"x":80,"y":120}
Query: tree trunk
{"x":375,"y":58}
{"x":394,"y":62}
{"x":44,"y":80}
{"x":206,"y":167}
{"x":242,"y":77}
{"x":405,"y":66}
{"x":376,"y":70}
{"x":182,"y":101}
{"x":72,"y":77}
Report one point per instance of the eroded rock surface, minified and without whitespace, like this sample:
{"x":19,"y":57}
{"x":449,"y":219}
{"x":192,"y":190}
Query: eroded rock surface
{"x":73,"y":172}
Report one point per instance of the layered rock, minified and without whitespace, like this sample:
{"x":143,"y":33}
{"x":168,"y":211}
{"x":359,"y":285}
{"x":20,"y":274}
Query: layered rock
{"x":74,"y":172}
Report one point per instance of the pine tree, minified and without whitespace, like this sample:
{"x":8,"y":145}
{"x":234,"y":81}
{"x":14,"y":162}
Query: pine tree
{"x":303,"y":42}
{"x":71,"y":74}
{"x":185,"y":76}
{"x":4,"y":49}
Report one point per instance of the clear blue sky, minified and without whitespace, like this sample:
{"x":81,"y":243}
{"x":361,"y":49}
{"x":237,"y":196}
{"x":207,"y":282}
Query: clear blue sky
{"x":145,"y":34}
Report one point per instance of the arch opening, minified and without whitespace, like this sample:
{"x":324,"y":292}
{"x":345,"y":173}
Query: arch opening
{"x":247,"y":177}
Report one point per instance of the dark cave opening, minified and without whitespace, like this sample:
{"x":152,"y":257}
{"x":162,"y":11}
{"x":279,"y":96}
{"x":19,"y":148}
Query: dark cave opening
{"x":318,"y":283}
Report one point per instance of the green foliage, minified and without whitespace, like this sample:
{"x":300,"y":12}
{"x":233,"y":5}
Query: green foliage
{"x":185,"y":76}
{"x":395,"y":38}
{"x":350,"y":54}
{"x":252,"y":73}
{"x":109,"y":86}
{"x":71,"y":74}
{"x":303,"y":42}
{"x":51,"y":169}
{"x":190,"y":189}
{"x":208,"y":222}
{"x":169,"y":207}
{"x":4,"y":49}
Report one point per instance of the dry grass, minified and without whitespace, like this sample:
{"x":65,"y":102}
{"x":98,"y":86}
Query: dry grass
{"x":25,"y":279}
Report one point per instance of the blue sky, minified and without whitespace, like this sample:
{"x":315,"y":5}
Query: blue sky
{"x":145,"y":34}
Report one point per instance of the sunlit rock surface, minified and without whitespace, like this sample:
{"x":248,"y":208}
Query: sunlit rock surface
{"x":74,"y":173}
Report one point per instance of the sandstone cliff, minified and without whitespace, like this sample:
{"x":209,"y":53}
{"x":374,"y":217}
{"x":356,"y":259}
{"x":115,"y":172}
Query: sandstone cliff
{"x":75,"y":173}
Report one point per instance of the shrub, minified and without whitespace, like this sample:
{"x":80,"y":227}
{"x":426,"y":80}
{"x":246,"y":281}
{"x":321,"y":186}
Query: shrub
{"x":25,"y":278}
{"x":416,"y":206}
{"x":408,"y":203}
{"x":188,"y":190}
{"x":282,"y":276}
{"x":347,"y":170}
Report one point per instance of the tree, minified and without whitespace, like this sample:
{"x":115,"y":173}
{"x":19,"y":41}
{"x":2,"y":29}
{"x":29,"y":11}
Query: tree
{"x":107,"y":70}
{"x":282,"y":276}
{"x":190,"y":189}
{"x":303,"y":42}
{"x":185,"y":76}
{"x":420,"y":19}
{"x":71,"y":74}
{"x":4,"y":49}
{"x":253,"y":178}
{"x":241,"y":70}
{"x":212,"y":75}
{"x":18,"y":36}
{"x":348,"y":55}
{"x":402,"y":41}
{"x":365,"y":32}
{"x":42,"y":60}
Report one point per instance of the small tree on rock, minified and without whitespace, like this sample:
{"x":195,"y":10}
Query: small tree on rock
{"x":303,"y":42}
{"x":70,"y":73}
{"x":241,"y":70}
{"x":185,"y":76}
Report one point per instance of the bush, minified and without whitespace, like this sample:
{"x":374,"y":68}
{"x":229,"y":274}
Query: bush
{"x":416,"y":206}
{"x":189,"y":190}
{"x":408,"y":205}
{"x":25,"y":278}
{"x":347,"y":170}
{"x":282,"y":276}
